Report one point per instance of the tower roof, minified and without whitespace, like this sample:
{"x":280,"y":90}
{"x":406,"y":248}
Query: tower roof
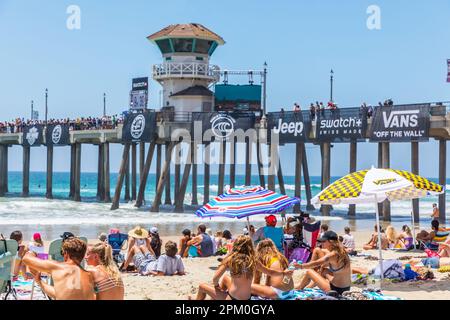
{"x":190,"y":30}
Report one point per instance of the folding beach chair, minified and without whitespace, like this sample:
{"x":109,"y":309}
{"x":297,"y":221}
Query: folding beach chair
{"x":8,"y":251}
{"x":54,"y":250}
{"x":117,"y":241}
{"x":441,"y":237}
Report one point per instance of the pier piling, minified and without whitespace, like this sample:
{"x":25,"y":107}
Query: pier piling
{"x":309,"y":206}
{"x":298,"y":173}
{"x":273,"y":163}
{"x":127,"y":196}
{"x":353,"y":162}
{"x":72,"y":171}
{"x":194,"y":173}
{"x":386,"y":164}
{"x":164,"y":178}
{"x":169,"y":149}
{"x":26,"y":172}
{"x":144,"y":175}
{"x":120,"y":178}
{"x":77,"y":176}
{"x":207,"y":171}
{"x":248,"y":162}
{"x":3,"y":169}
{"x":233,"y":163}
{"x":176,"y":186}
{"x":222,"y":157}
{"x":49,"y":180}
{"x":415,"y":170}
{"x":100,"y":169}
{"x":158,"y":166}
{"x":262,"y":181}
{"x":133,"y":171}
{"x":106,"y":173}
{"x":326,"y":168}
{"x":182,"y":190}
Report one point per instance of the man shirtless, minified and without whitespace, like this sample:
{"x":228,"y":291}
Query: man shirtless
{"x":435,"y":214}
{"x":71,"y":281}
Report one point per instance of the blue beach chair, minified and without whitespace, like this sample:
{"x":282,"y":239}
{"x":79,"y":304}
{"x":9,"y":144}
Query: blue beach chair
{"x":116,"y":241}
{"x":8,"y":251}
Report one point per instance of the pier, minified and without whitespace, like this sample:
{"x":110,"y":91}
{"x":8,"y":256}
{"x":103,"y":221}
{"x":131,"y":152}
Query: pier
{"x":186,"y":77}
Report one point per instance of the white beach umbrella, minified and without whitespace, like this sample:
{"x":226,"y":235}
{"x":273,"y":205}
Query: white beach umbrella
{"x":375,"y":186}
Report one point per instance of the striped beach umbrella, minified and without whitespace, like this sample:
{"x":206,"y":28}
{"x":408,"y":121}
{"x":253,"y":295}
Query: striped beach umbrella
{"x":375,"y":186}
{"x":242,"y":202}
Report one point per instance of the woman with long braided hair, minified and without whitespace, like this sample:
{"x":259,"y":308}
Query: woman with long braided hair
{"x":107,"y":278}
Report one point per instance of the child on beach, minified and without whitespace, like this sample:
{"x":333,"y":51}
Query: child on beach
{"x":183,"y":251}
{"x":348,"y":241}
{"x":155,"y":241}
{"x":37,"y":245}
{"x":19,"y":267}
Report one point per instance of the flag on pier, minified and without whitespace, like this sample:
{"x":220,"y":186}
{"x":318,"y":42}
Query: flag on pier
{"x":448,"y":70}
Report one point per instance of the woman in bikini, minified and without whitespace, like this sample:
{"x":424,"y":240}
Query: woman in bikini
{"x":242,"y":264}
{"x":373,"y":242}
{"x":336,"y":274}
{"x":107,"y":279}
{"x":275,"y":288}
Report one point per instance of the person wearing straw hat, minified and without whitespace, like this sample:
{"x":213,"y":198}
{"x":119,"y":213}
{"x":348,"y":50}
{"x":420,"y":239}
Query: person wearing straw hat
{"x":140,"y":250}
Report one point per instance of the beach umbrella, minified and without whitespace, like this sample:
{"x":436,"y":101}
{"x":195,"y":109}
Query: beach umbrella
{"x":246,"y":201}
{"x":375,"y":186}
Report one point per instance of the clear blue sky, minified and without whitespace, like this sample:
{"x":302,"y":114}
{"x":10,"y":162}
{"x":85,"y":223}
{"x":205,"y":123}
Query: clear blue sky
{"x":300,"y":40}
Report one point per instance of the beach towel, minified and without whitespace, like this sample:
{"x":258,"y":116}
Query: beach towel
{"x":376,"y":295}
{"x":392,"y":269}
{"x":299,"y":254}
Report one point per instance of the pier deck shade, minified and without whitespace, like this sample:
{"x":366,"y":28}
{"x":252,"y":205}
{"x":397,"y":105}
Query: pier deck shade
{"x":245,"y":201}
{"x":375,"y":186}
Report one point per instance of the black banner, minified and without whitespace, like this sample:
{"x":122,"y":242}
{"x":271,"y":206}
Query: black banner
{"x":57,"y":135}
{"x":33,"y":135}
{"x":401,"y":123}
{"x":140,"y":84}
{"x":290,"y":126}
{"x":341,"y":125}
{"x":139,"y":127}
{"x":222,"y":125}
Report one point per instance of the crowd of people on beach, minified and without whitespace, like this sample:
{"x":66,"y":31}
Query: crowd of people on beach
{"x":243,"y":259}
{"x":82,"y":123}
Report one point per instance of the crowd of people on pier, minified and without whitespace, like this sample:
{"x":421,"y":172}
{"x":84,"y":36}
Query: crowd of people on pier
{"x":242,"y":259}
{"x":82,"y":123}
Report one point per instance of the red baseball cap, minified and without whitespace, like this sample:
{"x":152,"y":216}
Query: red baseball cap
{"x":271,"y":220}
{"x":36,"y":236}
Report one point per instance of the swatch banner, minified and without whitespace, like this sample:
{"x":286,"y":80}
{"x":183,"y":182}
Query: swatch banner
{"x":33,"y":135}
{"x":341,"y":125}
{"x":57,"y":135}
{"x":401,"y":123}
{"x":290,"y":126}
{"x":139,"y":127}
{"x":222,"y":125}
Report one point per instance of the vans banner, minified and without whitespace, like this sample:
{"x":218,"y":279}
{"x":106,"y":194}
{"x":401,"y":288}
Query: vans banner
{"x":32,"y":135}
{"x":401,"y":123}
{"x":139,"y":127}
{"x":221,"y":125}
{"x":341,"y":125}
{"x":290,"y":126}
{"x":57,"y":135}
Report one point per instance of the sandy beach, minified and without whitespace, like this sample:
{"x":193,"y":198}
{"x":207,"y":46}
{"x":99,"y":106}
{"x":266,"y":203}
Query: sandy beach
{"x":202,"y":270}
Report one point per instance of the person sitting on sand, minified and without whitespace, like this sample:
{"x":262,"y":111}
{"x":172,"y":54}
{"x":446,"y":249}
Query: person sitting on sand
{"x":183,"y":251}
{"x":107,"y":279}
{"x":37,"y":245}
{"x":71,"y":281}
{"x":275,"y":287}
{"x":22,"y":249}
{"x":155,"y":241}
{"x":203,"y":241}
{"x":218,"y":239}
{"x":393,"y":238}
{"x":406,"y":237}
{"x":337,"y":271}
{"x":138,"y":237}
{"x":426,"y":236}
{"x":373,"y":242}
{"x":169,"y":263}
{"x":348,"y":241}
{"x":242,"y":264}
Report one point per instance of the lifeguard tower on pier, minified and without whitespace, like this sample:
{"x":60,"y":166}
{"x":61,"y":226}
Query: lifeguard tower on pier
{"x":186,"y":74}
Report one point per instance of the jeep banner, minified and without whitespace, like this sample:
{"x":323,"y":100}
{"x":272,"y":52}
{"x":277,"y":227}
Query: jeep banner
{"x":290,"y":126}
{"x":401,"y":123}
{"x":57,"y":135}
{"x":341,"y":125}
{"x":221,"y":125}
{"x":32,"y":135}
{"x":139,"y":127}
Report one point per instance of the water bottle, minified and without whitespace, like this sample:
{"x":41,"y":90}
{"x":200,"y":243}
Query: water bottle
{"x":286,"y":278}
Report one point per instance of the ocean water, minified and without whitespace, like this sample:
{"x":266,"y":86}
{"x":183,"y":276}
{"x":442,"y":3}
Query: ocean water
{"x":89,"y":217}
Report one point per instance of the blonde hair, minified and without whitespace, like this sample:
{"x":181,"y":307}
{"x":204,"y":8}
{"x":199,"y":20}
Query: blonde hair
{"x":266,"y":251}
{"x":391,"y":234}
{"x":104,"y":252}
{"x":242,"y":259}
